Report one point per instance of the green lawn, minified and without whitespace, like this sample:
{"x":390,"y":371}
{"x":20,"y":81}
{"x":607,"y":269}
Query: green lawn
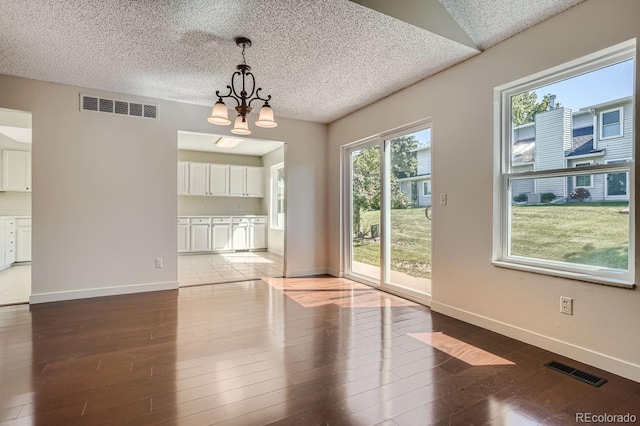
{"x":585,"y":233}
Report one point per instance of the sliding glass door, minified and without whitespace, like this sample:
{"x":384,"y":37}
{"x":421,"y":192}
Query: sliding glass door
{"x":366,"y":196}
{"x":389,"y":219}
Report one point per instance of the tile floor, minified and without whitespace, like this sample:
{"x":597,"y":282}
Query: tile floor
{"x":218,"y":268}
{"x":15,"y":284}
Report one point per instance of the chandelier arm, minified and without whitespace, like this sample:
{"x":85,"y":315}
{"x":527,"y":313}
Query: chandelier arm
{"x":233,"y":86}
{"x":253,"y":86}
{"x":258,"y":97}
{"x":229,"y":95}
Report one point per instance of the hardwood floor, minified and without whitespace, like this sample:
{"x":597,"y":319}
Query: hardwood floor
{"x":298,"y":351}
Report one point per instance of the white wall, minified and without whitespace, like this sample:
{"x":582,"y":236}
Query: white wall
{"x":275,"y":240}
{"x":193,"y":205}
{"x":104,"y":191}
{"x":602,"y":330}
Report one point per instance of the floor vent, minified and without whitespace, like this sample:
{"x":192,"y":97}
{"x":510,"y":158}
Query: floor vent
{"x":111,"y":106}
{"x":575,"y":373}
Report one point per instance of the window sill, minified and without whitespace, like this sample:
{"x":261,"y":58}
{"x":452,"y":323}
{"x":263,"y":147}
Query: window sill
{"x":579,"y":276}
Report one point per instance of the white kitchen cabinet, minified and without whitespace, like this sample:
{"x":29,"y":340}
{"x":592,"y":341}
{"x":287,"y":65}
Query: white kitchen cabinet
{"x":237,"y":181}
{"x":200,"y":234}
{"x":254,"y":185}
{"x":221,"y":233}
{"x":184,"y":231}
{"x":240,"y":237}
{"x":16,"y":170}
{"x":246,"y":181}
{"x":7,"y":241}
{"x":23,"y":240}
{"x":198,"y":179}
{"x":183,"y":177}
{"x":258,"y":236}
{"x":219,"y":180}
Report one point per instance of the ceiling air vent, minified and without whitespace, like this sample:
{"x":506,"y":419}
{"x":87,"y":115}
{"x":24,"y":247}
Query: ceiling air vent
{"x":112,"y":106}
{"x":106,"y":105}
{"x":89,"y":103}
{"x":135,"y":109}
{"x":122,"y":108}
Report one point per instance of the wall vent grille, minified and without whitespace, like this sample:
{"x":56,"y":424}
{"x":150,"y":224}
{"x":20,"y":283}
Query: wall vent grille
{"x":112,"y":106}
{"x":575,"y":373}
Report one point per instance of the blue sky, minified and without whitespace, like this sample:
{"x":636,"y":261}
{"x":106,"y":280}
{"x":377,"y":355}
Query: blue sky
{"x":606,"y":84}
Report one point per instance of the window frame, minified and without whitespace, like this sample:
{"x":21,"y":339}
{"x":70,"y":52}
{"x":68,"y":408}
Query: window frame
{"x":274,"y":222}
{"x":620,"y":123}
{"x":503,"y":173}
{"x":575,"y":178}
{"x":426,"y":194}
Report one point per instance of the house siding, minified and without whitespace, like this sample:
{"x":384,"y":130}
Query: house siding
{"x":424,"y":161}
{"x":621,"y":147}
{"x":553,"y":138}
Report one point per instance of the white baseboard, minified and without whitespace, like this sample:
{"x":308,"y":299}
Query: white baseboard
{"x":103,"y":291}
{"x":335,"y":273}
{"x":276,"y":252}
{"x":587,"y":356}
{"x":305,"y":272}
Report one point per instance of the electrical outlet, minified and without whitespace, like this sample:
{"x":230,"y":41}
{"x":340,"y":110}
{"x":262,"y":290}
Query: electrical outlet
{"x":443,"y":199}
{"x":159,"y":262}
{"x":566,"y":305}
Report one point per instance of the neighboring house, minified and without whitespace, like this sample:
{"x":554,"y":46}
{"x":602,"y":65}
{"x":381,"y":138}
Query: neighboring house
{"x":559,"y":138}
{"x":418,"y":188}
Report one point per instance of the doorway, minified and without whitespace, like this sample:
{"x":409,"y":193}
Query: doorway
{"x":231,"y":209}
{"x":15,"y":206}
{"x":388,"y":220}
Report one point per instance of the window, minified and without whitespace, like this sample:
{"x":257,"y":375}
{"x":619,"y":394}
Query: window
{"x":585,"y":180}
{"x":577,"y":218}
{"x":611,"y":123}
{"x":277,"y":196}
{"x":426,"y":188}
{"x":616,"y":187}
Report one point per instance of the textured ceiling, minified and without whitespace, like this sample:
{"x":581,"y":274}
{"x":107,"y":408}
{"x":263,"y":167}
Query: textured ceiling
{"x":320,"y":60}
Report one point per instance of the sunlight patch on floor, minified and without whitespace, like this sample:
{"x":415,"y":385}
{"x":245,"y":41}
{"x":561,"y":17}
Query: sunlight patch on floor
{"x":459,"y":349}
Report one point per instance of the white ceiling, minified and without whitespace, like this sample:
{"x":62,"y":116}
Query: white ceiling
{"x":207,"y":142}
{"x":320,"y":60}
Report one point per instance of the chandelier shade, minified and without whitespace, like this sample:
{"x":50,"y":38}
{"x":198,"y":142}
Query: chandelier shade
{"x":219,"y":115}
{"x":241,"y":127}
{"x":266,"y":117}
{"x":244,"y":92}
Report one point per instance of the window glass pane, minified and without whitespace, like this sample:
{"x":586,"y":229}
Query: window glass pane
{"x":611,"y":117}
{"x":576,"y":230}
{"x":617,"y":184}
{"x":611,"y":130}
{"x":583,"y":180}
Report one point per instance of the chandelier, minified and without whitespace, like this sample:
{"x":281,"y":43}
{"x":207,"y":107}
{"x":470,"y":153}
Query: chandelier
{"x":244,"y":93}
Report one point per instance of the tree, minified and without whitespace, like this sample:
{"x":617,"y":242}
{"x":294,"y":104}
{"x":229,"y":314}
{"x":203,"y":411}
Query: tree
{"x":525,"y":106}
{"x":366,"y":178}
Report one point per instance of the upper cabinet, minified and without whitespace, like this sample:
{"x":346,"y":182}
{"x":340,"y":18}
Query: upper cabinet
{"x":183,"y":178}
{"x":16,"y":170}
{"x":219,"y":180}
{"x":246,"y":181}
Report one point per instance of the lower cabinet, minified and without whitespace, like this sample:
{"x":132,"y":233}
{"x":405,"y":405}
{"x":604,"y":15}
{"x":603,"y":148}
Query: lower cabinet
{"x":200,"y":234}
{"x":184,"y":244}
{"x":258,"y":233}
{"x":221,"y":233}
{"x":240,"y":234}
{"x":23,"y":240}
{"x":7,"y":242}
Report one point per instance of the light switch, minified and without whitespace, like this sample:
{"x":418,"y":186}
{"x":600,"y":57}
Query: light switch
{"x":443,"y":199}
